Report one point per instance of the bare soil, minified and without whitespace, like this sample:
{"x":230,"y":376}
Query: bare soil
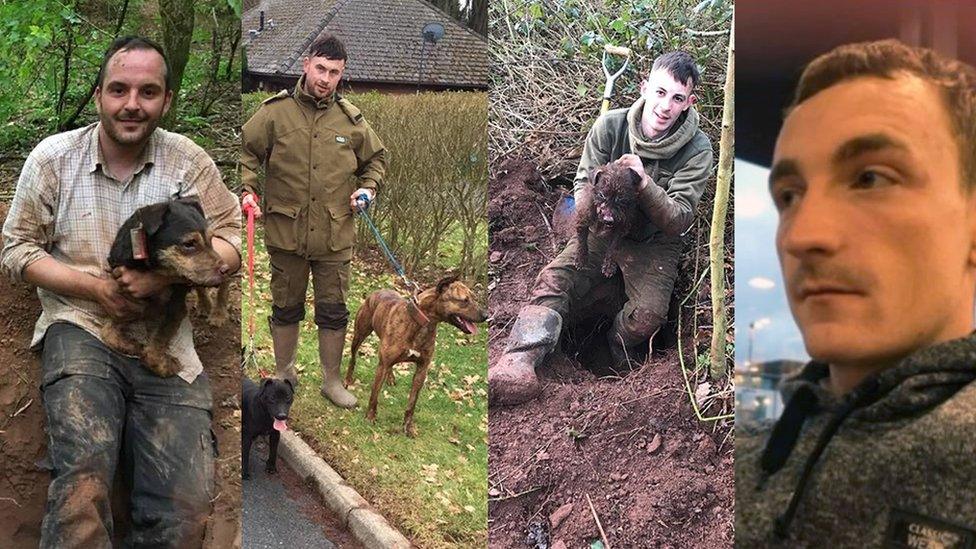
{"x":656,"y":476}
{"x":23,"y":484}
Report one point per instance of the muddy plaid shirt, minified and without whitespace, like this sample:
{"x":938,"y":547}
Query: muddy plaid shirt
{"x":68,"y":207}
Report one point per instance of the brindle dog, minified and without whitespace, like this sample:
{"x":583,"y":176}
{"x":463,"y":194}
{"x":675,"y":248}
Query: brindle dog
{"x":607,"y":206}
{"x":171,"y":238}
{"x":407,"y":334}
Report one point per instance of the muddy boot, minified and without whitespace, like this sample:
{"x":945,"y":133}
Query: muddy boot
{"x":512,"y":380}
{"x":330,"y":354}
{"x":285,"y":342}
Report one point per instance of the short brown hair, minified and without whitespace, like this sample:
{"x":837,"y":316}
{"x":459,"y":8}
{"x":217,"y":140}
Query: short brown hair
{"x":955,"y":80}
{"x":328,"y":46}
{"x":679,"y":65}
{"x":134,"y":43}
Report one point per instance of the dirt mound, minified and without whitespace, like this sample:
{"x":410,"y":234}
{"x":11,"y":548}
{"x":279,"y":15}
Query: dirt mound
{"x":23,"y":484}
{"x":654,"y":473}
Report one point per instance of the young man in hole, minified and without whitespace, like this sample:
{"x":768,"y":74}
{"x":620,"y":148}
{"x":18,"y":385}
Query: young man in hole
{"x":873,"y":177}
{"x":659,"y":134}
{"x":104,"y":410}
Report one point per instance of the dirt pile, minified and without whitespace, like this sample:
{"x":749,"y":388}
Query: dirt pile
{"x":656,"y":476}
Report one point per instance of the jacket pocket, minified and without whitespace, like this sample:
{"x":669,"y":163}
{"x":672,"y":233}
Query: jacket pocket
{"x":281,"y":227}
{"x":343,"y":226}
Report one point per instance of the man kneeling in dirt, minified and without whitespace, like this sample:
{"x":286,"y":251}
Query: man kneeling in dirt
{"x":75,"y":191}
{"x":657,"y":135}
{"x":873,"y":176}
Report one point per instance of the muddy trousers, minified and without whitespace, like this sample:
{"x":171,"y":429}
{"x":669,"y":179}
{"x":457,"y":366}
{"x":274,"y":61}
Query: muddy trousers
{"x":104,"y":410}
{"x":649,"y":270}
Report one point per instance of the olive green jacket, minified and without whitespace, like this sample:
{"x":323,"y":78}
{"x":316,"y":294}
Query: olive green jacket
{"x":315,"y":154}
{"x":682,"y":160}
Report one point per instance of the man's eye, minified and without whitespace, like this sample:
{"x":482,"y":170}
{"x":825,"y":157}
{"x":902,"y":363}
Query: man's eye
{"x":870,"y":179}
{"x":785,"y":198}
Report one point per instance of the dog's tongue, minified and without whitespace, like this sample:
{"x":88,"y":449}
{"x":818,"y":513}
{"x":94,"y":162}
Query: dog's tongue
{"x":470,"y":326}
{"x":280,"y":425}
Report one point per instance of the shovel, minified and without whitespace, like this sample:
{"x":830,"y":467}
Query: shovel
{"x":564,"y":210}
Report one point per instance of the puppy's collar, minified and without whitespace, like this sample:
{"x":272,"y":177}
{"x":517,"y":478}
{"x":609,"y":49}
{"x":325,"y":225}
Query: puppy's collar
{"x":416,"y":314}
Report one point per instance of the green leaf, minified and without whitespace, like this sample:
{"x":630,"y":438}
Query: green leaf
{"x":535,"y":11}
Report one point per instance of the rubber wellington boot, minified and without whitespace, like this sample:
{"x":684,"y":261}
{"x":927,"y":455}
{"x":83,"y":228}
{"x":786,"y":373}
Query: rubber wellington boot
{"x":285,"y":342}
{"x":512,"y":380}
{"x":330,"y":355}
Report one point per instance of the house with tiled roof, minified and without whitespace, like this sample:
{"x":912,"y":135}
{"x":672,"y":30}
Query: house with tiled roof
{"x":385,"y":40}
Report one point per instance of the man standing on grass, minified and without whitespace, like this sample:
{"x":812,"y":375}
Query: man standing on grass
{"x":319,"y":156}
{"x":873,"y":177}
{"x":75,"y":191}
{"x":658,"y":134}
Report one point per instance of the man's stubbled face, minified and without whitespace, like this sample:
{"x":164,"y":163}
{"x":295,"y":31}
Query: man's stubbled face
{"x":876,"y":233}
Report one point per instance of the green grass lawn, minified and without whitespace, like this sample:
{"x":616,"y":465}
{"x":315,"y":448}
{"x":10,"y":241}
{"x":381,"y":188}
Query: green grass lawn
{"x":434,"y":486}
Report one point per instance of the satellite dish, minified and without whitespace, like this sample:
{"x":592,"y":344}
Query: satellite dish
{"x":433,"y":32}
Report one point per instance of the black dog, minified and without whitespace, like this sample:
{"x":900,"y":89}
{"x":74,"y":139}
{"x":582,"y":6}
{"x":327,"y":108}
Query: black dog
{"x":171,"y":238}
{"x":264,"y":411}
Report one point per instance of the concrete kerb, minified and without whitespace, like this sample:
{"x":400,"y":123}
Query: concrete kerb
{"x":365,"y":524}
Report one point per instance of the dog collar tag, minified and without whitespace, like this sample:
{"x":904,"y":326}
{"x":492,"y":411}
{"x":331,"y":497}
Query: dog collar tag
{"x":340,"y":139}
{"x":137,"y":237}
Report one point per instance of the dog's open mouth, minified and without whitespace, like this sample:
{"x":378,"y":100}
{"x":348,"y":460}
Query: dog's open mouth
{"x":280,"y":425}
{"x":464,"y":324}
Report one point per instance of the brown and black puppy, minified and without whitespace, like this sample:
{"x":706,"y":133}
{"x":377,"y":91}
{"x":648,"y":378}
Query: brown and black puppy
{"x":407,"y":332}
{"x":607,"y":206}
{"x":172,"y":238}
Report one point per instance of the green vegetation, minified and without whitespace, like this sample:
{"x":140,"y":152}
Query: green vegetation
{"x":432,"y":486}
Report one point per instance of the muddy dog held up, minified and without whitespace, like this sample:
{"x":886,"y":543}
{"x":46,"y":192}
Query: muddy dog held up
{"x":608,"y":205}
{"x":407,"y":332}
{"x":171,"y":238}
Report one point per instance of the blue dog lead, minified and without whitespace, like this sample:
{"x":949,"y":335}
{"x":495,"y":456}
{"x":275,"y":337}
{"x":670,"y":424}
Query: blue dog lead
{"x":362,"y":204}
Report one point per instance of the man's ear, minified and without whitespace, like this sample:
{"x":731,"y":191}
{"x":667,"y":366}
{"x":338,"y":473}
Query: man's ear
{"x":691,"y":100}
{"x":167,"y":103}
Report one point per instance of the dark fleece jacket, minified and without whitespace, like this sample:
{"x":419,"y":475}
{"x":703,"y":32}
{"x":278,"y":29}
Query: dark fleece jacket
{"x":891,"y":464}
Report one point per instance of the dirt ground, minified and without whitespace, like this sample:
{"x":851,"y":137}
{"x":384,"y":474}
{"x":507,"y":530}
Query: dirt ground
{"x":23,"y":484}
{"x":656,"y":476}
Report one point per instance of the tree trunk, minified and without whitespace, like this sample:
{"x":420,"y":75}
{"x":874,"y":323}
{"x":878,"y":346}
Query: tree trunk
{"x":716,"y":244}
{"x":478,"y":17}
{"x":177,"y":22}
